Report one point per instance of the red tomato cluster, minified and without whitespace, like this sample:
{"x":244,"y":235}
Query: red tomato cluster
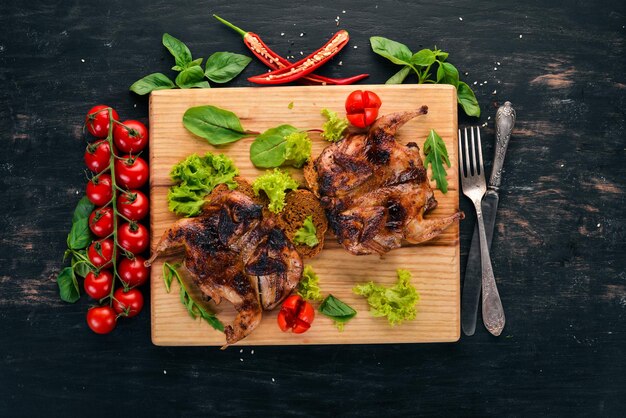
{"x":119,"y":174}
{"x":362,"y":108}
{"x":296,"y":315}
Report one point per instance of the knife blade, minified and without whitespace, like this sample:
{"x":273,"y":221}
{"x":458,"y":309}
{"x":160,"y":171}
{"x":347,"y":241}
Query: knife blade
{"x":505,"y":120}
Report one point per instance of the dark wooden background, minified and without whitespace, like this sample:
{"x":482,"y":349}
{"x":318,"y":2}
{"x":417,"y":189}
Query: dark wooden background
{"x":559,"y":252}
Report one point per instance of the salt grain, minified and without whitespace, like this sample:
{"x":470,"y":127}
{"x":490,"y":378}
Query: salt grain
{"x":598,"y":225}
{"x":252,"y":352}
{"x":461,"y":19}
{"x":82,"y":60}
{"x":340,"y":62}
{"x":475,"y":82}
{"x":520,"y":36}
{"x":485,"y":82}
{"x":164,"y":371}
{"x":498,"y":63}
{"x":301,"y":53}
{"x":495,"y":68}
{"x":494,"y":92}
{"x":343,"y":11}
{"x":301,"y":34}
{"x":273,"y":380}
{"x":240,"y":359}
{"x":488,"y":117}
{"x":241,"y":351}
{"x":282,"y":34}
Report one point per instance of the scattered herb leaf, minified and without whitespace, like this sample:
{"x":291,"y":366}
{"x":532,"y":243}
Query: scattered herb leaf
{"x":309,"y":287}
{"x":180,"y":52}
{"x":275,"y":185}
{"x":436,"y":154}
{"x":196,"y":177}
{"x":68,"y":286}
{"x":217,"y":126}
{"x":290,"y":105}
{"x":337,"y":310}
{"x":191,"y":77}
{"x":307,"y":233}
{"x":154,"y":81}
{"x":221,"y":67}
{"x":397,"y":303}
{"x":194,"y":309}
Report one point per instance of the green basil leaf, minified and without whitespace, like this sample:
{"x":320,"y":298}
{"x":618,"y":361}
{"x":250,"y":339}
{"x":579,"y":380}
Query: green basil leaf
{"x":394,"y":51}
{"x":68,"y":286}
{"x":269,"y":149}
{"x":467,"y":99}
{"x":79,"y":236}
{"x":179,"y":50}
{"x":336,"y":309}
{"x":217,"y":126}
{"x":424,"y":58}
{"x":222,"y":67}
{"x":197,"y":61}
{"x":177,"y":68}
{"x":80,"y":266}
{"x":83,"y":209}
{"x":191,"y":77}
{"x":149,"y":83}
{"x":441,"y":56}
{"x":399,"y":77}
{"x":447,"y":74}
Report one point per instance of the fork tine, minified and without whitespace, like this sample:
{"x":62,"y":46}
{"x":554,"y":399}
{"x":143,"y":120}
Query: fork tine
{"x":475,"y":168}
{"x":462,"y":171}
{"x":480,"y":151}
{"x":468,"y":171}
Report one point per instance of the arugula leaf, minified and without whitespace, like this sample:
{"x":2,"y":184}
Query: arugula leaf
{"x":447,"y":74}
{"x":180,"y":52}
{"x":221,"y":67}
{"x":467,"y":99}
{"x":399,"y":77}
{"x":68,"y":286}
{"x":309,"y":287}
{"x":194,"y":309}
{"x":424,"y":58}
{"x":217,"y":126}
{"x":275,"y":185}
{"x":149,"y":83}
{"x":334,"y":127}
{"x":337,"y":310}
{"x":192,"y":77}
{"x":436,"y":154}
{"x":307,"y":233}
{"x":394,"y":51}
{"x":397,"y":303}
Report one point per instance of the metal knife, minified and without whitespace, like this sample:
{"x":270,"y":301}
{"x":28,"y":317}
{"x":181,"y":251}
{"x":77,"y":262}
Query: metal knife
{"x":505,"y":120}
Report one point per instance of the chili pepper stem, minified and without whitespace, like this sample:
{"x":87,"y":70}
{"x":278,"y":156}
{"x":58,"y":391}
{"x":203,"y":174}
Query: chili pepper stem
{"x":230,"y":25}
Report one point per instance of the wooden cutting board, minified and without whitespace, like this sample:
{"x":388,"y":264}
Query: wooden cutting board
{"x":434,"y":265}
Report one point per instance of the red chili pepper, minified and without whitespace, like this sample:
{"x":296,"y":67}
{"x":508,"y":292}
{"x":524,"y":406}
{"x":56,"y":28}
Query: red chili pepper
{"x":276,"y":61}
{"x":362,"y":108}
{"x":296,"y":314}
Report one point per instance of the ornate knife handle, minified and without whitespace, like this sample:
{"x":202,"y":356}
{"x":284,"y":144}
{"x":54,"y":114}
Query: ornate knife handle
{"x":505,"y":120}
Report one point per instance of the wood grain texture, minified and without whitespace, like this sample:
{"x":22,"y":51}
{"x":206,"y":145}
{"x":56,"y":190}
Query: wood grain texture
{"x":434,"y":265}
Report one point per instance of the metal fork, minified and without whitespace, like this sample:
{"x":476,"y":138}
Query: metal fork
{"x":473,"y":181}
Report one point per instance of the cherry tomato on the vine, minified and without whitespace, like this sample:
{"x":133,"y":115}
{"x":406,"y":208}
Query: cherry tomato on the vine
{"x":133,"y":205}
{"x":130,"y":136}
{"x":133,"y":272}
{"x":101,"y":319}
{"x":131,"y":172}
{"x":100,"y":252}
{"x":97,"y":120}
{"x":127,"y":303}
{"x":133,"y":237}
{"x":362,"y":108}
{"x":296,"y":314}
{"x":98,"y":286}
{"x":99,"y":190}
{"x":101,"y":221}
{"x":98,"y":156}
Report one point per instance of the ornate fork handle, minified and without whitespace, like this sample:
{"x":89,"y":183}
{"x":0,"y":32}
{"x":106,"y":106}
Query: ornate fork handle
{"x":493,"y":313}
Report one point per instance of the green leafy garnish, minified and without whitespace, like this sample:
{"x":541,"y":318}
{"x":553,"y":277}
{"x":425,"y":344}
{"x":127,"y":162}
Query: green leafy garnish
{"x":221,"y":67}
{"x":335,"y":126}
{"x":68,"y":286}
{"x":196,"y":177}
{"x":307,"y":233}
{"x":195,"y":310}
{"x":337,"y":310}
{"x":437,"y":154}
{"x":421,"y":64}
{"x":282,"y":145}
{"x":80,"y":236}
{"x":217,"y":126}
{"x":397,"y":303}
{"x":309,"y":287}
{"x":275,"y":185}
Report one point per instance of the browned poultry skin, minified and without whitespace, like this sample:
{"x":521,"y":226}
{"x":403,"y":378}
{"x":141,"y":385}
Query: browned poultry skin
{"x":375,"y":191}
{"x":232,"y":253}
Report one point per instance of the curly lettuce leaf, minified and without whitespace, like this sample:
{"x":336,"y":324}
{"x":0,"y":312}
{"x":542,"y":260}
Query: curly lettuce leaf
{"x":275,"y":185}
{"x":307,"y":234}
{"x":298,"y":148}
{"x":397,"y":303}
{"x":334,"y":127}
{"x":196,"y":177}
{"x":309,"y":287}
